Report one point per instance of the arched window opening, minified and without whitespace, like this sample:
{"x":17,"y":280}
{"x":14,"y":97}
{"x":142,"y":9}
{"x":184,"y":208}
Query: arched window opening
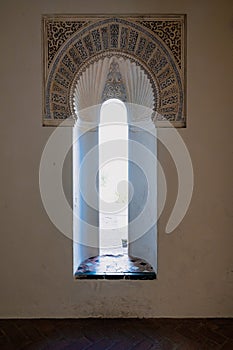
{"x":114,"y":233}
{"x":114,"y":173}
{"x":113,"y":178}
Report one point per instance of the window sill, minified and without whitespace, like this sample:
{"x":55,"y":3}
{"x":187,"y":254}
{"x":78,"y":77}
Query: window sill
{"x":115,"y":268}
{"x":117,"y":276}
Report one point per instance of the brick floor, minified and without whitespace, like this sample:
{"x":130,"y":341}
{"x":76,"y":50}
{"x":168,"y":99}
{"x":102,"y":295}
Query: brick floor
{"x":117,"y":334}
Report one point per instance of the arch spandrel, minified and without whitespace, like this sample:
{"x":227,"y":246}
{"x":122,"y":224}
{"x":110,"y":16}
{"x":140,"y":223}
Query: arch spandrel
{"x":142,"y":41}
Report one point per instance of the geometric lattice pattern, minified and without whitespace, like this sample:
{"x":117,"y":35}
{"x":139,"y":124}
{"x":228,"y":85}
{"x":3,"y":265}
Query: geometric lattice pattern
{"x":155,"y":43}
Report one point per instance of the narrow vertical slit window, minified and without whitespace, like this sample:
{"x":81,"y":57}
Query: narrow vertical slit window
{"x":113,"y":179}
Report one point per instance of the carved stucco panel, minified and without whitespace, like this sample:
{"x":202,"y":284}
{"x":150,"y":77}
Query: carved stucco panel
{"x":156,"y":44}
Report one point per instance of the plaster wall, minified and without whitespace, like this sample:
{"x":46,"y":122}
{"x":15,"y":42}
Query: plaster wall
{"x":195,"y":262}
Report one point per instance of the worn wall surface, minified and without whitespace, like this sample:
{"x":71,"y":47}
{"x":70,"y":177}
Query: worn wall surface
{"x":195,"y":262}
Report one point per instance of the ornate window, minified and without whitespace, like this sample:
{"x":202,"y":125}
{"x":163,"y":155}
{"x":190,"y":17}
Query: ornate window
{"x":140,"y":61}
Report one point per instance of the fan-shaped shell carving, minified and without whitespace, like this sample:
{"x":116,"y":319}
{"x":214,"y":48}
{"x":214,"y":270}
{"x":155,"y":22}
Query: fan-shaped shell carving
{"x":91,"y":84}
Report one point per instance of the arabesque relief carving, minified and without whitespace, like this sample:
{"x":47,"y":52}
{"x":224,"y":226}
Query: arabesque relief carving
{"x":156,"y":44}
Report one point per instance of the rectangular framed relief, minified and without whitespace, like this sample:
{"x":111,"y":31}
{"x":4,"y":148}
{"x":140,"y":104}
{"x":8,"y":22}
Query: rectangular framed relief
{"x":139,"y":59}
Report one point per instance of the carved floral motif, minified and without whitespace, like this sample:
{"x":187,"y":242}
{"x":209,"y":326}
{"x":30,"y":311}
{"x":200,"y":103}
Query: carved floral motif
{"x":170,"y":32}
{"x":58,"y":32}
{"x":114,"y":86}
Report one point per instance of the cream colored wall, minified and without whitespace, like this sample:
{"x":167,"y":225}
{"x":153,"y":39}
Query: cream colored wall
{"x":195,"y":262}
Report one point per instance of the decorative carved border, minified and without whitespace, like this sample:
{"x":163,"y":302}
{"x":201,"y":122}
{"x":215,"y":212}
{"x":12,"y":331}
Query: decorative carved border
{"x":156,"y":42}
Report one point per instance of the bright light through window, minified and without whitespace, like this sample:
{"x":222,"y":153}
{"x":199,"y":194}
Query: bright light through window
{"x":113,"y":178}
